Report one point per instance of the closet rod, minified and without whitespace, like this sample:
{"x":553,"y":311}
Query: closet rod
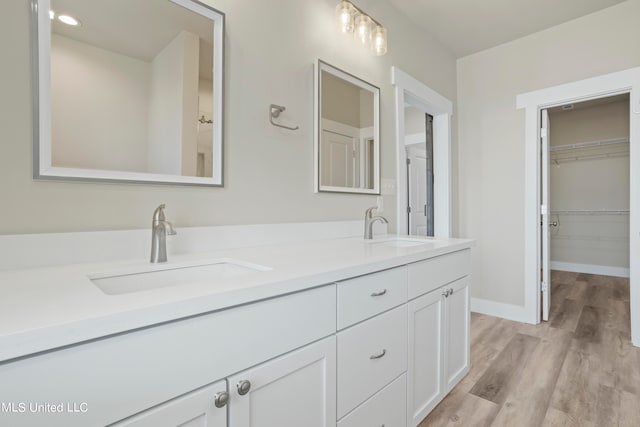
{"x":589,"y":144}
{"x":598,"y":238}
{"x":591,"y":212}
{"x":558,"y":160}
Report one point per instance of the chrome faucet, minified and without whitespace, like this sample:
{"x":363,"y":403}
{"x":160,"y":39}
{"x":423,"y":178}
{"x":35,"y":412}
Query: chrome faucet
{"x":160,"y":228}
{"x":369,"y":219}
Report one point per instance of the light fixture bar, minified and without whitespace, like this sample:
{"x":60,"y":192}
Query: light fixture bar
{"x":364,"y":13}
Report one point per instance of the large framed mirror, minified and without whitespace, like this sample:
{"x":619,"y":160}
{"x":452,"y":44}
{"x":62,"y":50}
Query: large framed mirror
{"x":347,"y":132}
{"x":128,"y":91}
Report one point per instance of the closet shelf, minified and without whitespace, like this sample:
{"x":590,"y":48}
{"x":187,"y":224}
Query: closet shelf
{"x":597,"y":238}
{"x":589,"y":144}
{"x":558,"y":160}
{"x":591,"y":212}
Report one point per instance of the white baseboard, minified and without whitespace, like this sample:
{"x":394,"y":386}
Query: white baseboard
{"x":604,"y":270}
{"x":499,"y":309}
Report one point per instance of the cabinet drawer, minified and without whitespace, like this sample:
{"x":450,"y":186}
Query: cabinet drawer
{"x":386,"y":408}
{"x":370,"y":356}
{"x":427,"y":275}
{"x":366,"y":296}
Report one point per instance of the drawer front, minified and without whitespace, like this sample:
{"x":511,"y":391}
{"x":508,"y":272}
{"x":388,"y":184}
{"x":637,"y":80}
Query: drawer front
{"x":366,"y":296}
{"x":123,"y":375}
{"x":370,"y":356}
{"x":386,"y":408}
{"x":427,"y":275}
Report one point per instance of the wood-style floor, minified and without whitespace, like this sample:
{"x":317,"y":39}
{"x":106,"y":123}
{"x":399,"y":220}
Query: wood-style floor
{"x":578,"y":369}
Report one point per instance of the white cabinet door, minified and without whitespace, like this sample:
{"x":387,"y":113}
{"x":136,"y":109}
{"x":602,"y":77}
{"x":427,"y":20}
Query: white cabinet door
{"x":195,"y":409}
{"x":456,"y":332}
{"x":426,"y":351}
{"x":297,"y":389}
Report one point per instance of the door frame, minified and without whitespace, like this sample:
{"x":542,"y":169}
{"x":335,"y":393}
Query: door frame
{"x":409,"y":90}
{"x":627,"y":81}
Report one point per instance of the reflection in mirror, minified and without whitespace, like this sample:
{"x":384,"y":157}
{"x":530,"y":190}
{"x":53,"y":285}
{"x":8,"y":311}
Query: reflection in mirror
{"x":133,"y":92}
{"x":347,"y":146}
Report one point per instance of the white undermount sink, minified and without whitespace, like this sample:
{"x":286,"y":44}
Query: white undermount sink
{"x":213,"y":272}
{"x":402,"y":242}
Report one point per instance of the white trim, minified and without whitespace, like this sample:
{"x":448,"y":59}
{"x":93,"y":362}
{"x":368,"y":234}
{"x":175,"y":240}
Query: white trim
{"x":317,"y":186}
{"x":43,"y":167}
{"x":409,"y":90}
{"x":627,"y":81}
{"x":604,"y":270}
{"x":499,"y":309}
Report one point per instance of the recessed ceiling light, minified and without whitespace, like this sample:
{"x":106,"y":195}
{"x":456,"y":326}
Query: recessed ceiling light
{"x":52,"y":14}
{"x":69,"y":20}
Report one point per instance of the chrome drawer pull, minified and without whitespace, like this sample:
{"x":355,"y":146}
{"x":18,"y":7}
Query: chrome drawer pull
{"x":379,"y":294}
{"x":378,"y":356}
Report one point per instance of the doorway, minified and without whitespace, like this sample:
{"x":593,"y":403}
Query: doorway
{"x":585,"y":194}
{"x":411,"y":92}
{"x":419,"y":157}
{"x":627,"y":81}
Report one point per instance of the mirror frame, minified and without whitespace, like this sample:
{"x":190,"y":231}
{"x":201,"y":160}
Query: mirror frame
{"x":317,"y":120}
{"x":41,"y":87}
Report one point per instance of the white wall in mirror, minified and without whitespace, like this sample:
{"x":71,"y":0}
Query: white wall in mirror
{"x":347,"y":135}
{"x":133,"y":93}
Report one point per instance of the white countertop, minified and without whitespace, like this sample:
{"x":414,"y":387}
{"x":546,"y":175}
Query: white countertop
{"x":46,"y":308}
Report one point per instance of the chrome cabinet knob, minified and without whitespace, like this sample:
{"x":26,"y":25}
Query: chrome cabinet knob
{"x":243,"y":387}
{"x":379,"y":294}
{"x":450,"y":291}
{"x":446,"y":293}
{"x":221,"y":399}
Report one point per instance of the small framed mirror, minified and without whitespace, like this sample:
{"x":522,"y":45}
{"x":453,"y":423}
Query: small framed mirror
{"x":347,"y":132}
{"x":128,"y":91}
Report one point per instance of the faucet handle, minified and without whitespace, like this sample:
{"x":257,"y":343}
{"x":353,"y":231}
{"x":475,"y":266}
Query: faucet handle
{"x":158,"y":214}
{"x":369,"y":212}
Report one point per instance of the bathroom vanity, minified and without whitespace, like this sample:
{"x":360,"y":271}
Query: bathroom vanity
{"x":340,"y":332}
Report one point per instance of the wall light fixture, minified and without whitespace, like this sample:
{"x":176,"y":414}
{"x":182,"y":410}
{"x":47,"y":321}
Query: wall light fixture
{"x":352,"y":20}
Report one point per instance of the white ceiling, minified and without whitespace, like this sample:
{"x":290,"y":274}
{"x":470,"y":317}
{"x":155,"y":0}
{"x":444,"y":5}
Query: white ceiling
{"x":138,"y":29}
{"x":469,"y":26}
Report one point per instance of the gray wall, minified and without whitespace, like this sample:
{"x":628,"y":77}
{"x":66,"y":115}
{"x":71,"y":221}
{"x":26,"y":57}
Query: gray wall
{"x":268,"y":171}
{"x":491,"y":132}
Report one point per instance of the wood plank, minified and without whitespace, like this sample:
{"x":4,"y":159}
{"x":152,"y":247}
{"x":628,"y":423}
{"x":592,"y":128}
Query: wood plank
{"x":629,"y":411}
{"x":591,"y":324}
{"x":482,"y":356}
{"x":462,"y":409}
{"x":495,"y":385}
{"x":619,"y":288}
{"x":597,"y":293}
{"x":528,"y":402}
{"x":567,"y":315}
{"x":556,"y":418}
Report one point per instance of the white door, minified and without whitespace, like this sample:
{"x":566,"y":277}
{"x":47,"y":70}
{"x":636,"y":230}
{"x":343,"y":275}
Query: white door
{"x":417,"y":177}
{"x":205,"y":407}
{"x":544,"y":215}
{"x":425,"y":384}
{"x":339,"y":167}
{"x":456,"y":334}
{"x":297,"y":389}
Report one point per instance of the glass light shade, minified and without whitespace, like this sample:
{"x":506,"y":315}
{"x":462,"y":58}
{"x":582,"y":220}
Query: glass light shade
{"x":344,"y":15}
{"x":363,"y":28}
{"x":379,"y":41}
